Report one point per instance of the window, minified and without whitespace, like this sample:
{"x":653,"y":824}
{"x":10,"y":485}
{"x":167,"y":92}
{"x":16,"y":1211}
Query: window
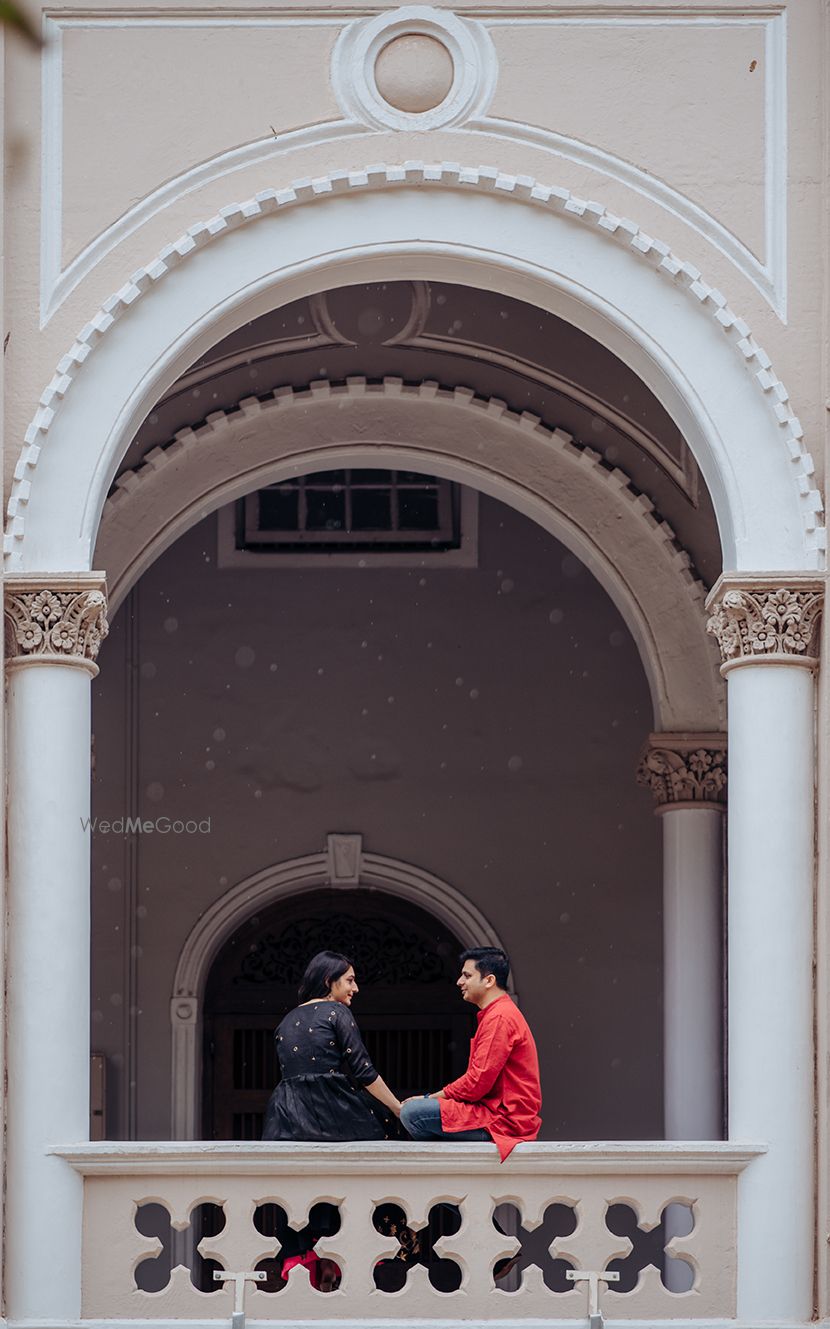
{"x":407,"y":518}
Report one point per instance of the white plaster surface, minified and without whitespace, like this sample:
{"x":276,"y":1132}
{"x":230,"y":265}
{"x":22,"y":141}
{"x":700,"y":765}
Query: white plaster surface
{"x":770,"y":931}
{"x":48,"y":989}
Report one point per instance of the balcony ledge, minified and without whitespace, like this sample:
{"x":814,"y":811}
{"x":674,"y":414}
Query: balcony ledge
{"x":263,"y":1158}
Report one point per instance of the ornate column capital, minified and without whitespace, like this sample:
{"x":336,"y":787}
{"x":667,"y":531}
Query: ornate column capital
{"x":53,"y":619}
{"x":766,"y":619}
{"x":685,"y":770}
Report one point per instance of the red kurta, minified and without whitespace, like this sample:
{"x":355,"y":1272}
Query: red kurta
{"x":500,"y":1088}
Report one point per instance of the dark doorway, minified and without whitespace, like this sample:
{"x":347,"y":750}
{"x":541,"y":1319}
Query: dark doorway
{"x":414,"y":1023}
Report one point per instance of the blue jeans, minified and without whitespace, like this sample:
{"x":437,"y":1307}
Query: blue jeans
{"x":421,"y":1117}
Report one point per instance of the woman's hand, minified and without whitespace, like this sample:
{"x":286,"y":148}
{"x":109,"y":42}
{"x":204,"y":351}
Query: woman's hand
{"x":380,"y":1090}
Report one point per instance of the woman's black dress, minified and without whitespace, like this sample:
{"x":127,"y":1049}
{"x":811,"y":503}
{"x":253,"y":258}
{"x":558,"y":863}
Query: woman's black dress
{"x":324,"y":1063}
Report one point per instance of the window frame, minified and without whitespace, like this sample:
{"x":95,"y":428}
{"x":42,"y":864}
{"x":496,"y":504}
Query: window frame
{"x":380,"y":552}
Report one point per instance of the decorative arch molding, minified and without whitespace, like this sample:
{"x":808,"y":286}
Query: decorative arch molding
{"x":769,"y":276}
{"x":681,"y":469}
{"x":283,"y":881}
{"x":734,"y":409}
{"x":567,"y":488}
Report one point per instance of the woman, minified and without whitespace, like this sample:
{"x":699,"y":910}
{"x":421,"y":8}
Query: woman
{"x":327,"y":1077}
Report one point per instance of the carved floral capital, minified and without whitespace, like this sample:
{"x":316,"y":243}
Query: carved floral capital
{"x":773,"y":621}
{"x":685,"y":769}
{"x":60,"y":619}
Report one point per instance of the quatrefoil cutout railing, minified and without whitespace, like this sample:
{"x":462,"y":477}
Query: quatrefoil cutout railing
{"x":648,"y":1246}
{"x":179,"y":1245}
{"x":417,"y":1247}
{"x":296,"y":1246}
{"x":558,"y":1220}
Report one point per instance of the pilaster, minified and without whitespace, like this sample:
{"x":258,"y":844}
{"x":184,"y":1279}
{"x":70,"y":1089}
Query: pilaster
{"x":686,"y":773}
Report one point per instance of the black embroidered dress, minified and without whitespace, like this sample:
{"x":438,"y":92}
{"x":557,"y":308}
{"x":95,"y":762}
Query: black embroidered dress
{"x":324,"y":1063}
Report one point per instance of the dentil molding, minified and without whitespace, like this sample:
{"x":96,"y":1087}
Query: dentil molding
{"x":766,"y":620}
{"x":188,"y":442}
{"x":685,"y":276}
{"x":684,"y":770}
{"x":59,"y":620}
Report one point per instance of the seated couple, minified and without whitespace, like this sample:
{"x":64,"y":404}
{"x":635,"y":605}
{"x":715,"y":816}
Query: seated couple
{"x":331,"y":1091}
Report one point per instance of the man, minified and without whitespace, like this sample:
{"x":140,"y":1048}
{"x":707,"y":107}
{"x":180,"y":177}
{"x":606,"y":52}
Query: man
{"x":498,"y":1097}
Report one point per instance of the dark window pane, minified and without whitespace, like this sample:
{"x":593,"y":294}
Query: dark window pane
{"x":278,"y":508}
{"x":371,"y":477}
{"x":325,"y":510}
{"x":414,"y":477}
{"x":417,"y":510}
{"x":371,"y":510}
{"x":326,"y":478}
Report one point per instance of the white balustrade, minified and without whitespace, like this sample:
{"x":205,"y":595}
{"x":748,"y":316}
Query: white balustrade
{"x":142,"y":1207}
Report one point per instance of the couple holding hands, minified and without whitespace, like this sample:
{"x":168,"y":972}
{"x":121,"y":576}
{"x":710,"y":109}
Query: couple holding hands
{"x":331,"y":1091}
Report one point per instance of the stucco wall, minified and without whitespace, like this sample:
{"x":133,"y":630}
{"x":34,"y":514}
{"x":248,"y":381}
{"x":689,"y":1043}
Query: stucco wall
{"x":701,"y":125}
{"x":481,"y":724}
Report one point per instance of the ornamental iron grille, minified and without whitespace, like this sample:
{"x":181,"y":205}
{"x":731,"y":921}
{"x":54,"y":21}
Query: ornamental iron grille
{"x":381,"y":950}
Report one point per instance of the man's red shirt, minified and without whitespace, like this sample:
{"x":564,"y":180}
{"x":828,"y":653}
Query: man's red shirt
{"x":500,"y":1088}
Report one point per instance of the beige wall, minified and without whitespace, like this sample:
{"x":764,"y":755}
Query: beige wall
{"x":524,"y":657}
{"x":719,"y":108}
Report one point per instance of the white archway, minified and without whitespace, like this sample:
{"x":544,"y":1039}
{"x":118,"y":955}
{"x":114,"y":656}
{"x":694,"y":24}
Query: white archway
{"x":537,"y":244}
{"x":283,"y":881}
{"x":655,"y":313}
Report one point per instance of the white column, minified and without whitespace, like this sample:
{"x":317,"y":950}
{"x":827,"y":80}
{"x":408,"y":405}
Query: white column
{"x":687,"y":775}
{"x":693,"y":978}
{"x":55,"y":631}
{"x":766,"y":631}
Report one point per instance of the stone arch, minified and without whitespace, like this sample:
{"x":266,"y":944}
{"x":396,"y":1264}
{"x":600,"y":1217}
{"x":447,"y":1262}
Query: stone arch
{"x":541,"y":472}
{"x":282,"y":881}
{"x":595,"y":269}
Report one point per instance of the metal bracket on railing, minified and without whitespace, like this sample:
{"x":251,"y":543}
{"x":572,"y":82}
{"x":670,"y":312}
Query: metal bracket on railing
{"x":593,"y":1277}
{"x":239,"y":1281}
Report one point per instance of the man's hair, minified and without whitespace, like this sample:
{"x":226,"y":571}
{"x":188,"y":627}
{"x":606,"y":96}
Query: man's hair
{"x":489,"y":960}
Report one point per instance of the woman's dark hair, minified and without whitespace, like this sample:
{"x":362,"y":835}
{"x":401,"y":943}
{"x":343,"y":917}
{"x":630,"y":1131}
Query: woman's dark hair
{"x":322,"y":970}
{"x":489,"y":960}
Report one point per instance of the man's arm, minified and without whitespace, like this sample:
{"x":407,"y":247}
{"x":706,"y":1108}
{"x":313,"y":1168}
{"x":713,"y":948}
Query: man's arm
{"x":488,"y":1054}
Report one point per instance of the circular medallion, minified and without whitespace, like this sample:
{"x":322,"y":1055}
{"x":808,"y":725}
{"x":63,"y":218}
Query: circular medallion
{"x":413,"y":68}
{"x":414,"y":73}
